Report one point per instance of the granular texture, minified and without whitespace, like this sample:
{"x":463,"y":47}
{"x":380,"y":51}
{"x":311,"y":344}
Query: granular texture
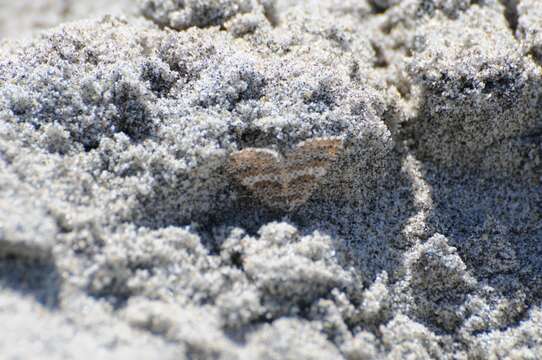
{"x":125,"y":230}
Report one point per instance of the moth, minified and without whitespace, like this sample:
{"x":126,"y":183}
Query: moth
{"x":285,"y":182}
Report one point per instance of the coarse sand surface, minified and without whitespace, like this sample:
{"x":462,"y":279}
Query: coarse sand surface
{"x":271,"y":179}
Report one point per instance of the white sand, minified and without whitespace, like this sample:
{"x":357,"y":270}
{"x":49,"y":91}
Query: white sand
{"x":123,"y":235}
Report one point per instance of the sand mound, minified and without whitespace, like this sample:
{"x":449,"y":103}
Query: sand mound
{"x":124,"y":232}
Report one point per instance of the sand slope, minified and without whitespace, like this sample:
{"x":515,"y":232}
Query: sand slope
{"x":125,"y":234}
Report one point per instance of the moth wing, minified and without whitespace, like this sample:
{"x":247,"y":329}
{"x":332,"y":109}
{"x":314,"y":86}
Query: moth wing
{"x":260,"y":171}
{"x":309,"y":162}
{"x":285,"y":183}
{"x":319,"y":150}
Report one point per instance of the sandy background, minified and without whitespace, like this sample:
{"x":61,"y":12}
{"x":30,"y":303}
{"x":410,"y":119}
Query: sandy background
{"x":125,"y":232}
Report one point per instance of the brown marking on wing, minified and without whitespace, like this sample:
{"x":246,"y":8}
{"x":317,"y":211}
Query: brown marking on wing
{"x":252,"y":161}
{"x":328,"y":146}
{"x":300,"y":188}
{"x":267,"y":188}
{"x":319,"y":152}
{"x":270,"y":193}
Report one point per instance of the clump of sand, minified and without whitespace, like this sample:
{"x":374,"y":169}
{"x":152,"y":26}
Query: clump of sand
{"x":120,"y":223}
